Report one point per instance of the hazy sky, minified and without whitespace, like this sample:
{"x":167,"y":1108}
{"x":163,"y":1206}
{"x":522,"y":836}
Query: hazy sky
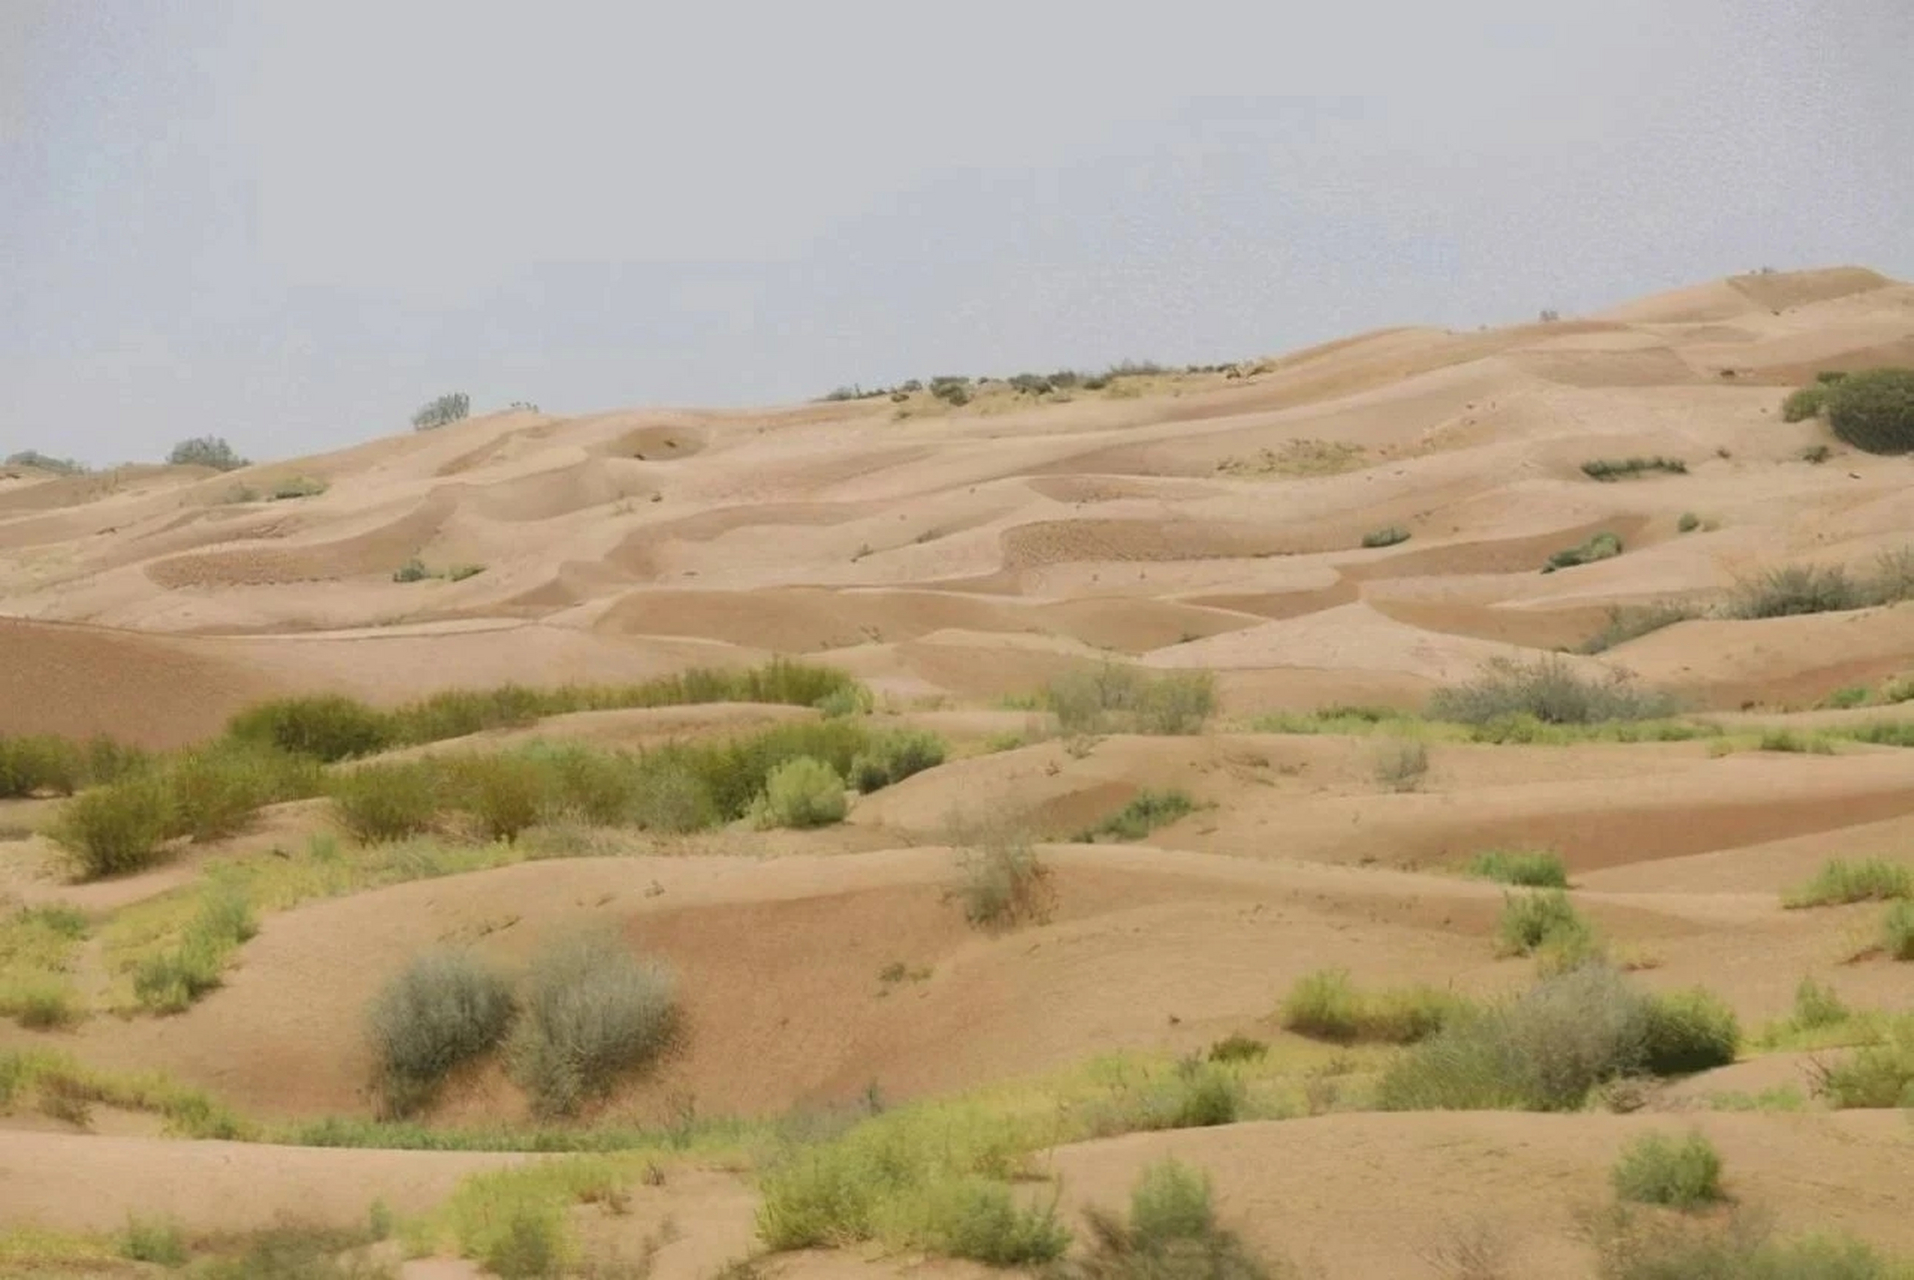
{"x":291,"y":223}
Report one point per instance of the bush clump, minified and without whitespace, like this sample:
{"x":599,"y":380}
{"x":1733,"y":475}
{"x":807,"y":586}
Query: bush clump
{"x":1385,"y":537}
{"x":115,"y":829}
{"x":205,"y":451}
{"x":1611,"y":469}
{"x":1657,"y":1169}
{"x":1326,"y":1005}
{"x":1549,"y":690}
{"x":1531,"y":920}
{"x":441,"y":411}
{"x":1600,"y":546}
{"x":802,"y":793}
{"x":1803,"y":403}
{"x":1841,"y":881}
{"x":1631,"y":1244}
{"x":893,"y":757}
{"x":1632,"y":624}
{"x":327,"y":727}
{"x":592,"y":1012}
{"x":1535,"y":869}
{"x":1145,"y":812}
{"x":1689,"y":1031}
{"x":442,"y":1010}
{"x":1119,"y":699}
{"x":378,"y":803}
{"x":172,"y":980}
{"x":1873,"y":410}
{"x":1002,"y":882}
{"x":1795,"y":590}
{"x":1897,"y":931}
{"x":1172,"y":1234}
{"x":1876,"y":1076}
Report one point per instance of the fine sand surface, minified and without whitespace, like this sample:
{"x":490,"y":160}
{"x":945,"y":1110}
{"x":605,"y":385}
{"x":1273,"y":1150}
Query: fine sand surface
{"x":956,"y":560}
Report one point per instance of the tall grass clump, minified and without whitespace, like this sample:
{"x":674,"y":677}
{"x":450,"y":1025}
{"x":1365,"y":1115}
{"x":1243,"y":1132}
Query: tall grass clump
{"x":1002,"y":883}
{"x":1600,"y":546}
{"x":1112,"y":698}
{"x":1632,"y":624}
{"x":504,"y":794}
{"x":591,"y":1013}
{"x":1531,"y":868}
{"x":1794,"y":590}
{"x":802,"y":793}
{"x":1841,"y":881}
{"x":39,"y":763}
{"x":1401,"y":764}
{"x":1531,"y":920}
{"x":169,"y":981}
{"x":1326,"y":1005}
{"x":1172,"y":1234}
{"x":1549,"y":690}
{"x":442,"y":1010}
{"x":1873,"y":410}
{"x":1657,"y":1169}
{"x":1897,"y":931}
{"x":213,"y":791}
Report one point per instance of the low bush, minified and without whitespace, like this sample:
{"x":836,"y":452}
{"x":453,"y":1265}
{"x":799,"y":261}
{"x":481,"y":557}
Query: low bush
{"x":327,"y":727}
{"x":893,"y":757}
{"x":1002,"y":882}
{"x":205,"y":451}
{"x":802,"y":793}
{"x":1803,"y":403}
{"x":1632,"y":1244}
{"x":1632,"y":624}
{"x":383,"y":802}
{"x":442,"y":1010}
{"x":1550,"y":690}
{"x":1689,"y":1031}
{"x":1897,"y":931}
{"x":1529,"y":920}
{"x":1873,"y":410}
{"x":1145,"y":812}
{"x":154,"y":1240}
{"x":1795,"y":590}
{"x":1401,"y":764}
{"x":1120,"y":699}
{"x":504,"y":794}
{"x":1601,"y":546}
{"x":1657,"y":1169}
{"x":1172,"y":1234}
{"x":213,"y":791}
{"x":115,"y":829}
{"x":1385,"y":537}
{"x":1841,"y":881}
{"x":296,"y":487}
{"x":1688,"y":523}
{"x":592,"y":1012}
{"x":1535,"y":869}
{"x":1326,"y":1005}
{"x":441,"y":411}
{"x":295,"y":1252}
{"x":40,"y":763}
{"x":1238,"y":1048}
{"x":1620,"y":468}
{"x":1876,"y":1075}
{"x":1817,"y":1005}
{"x":978,"y":1219}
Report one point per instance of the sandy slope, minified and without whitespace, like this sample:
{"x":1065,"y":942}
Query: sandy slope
{"x":951,"y":558}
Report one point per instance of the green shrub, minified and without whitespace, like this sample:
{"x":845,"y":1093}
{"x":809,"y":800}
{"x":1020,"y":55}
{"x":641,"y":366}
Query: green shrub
{"x":669,"y":798}
{"x":1610,"y":469}
{"x":1877,"y":1075}
{"x":1656,"y":1169}
{"x":297,"y":487}
{"x":1897,"y":931}
{"x":1803,"y":403}
{"x":117,"y":828}
{"x":1530,"y":919}
{"x":977,"y":1219}
{"x":1632,"y":624}
{"x":1688,"y":523}
{"x":504,"y":794}
{"x":1326,"y":1005}
{"x":1549,"y":690}
{"x":1002,"y":882}
{"x":441,"y":411}
{"x":1114,"y":699}
{"x":1852,"y":695}
{"x":1171,"y":1201}
{"x":1385,"y":537}
{"x":1238,"y":1048}
{"x":299,"y":1253}
{"x":381,"y":802}
{"x":214,"y":791}
{"x":1795,"y":590}
{"x":852,"y":700}
{"x":460,"y":572}
{"x":327,"y":727}
{"x":1541,"y":1051}
{"x":170,"y":981}
{"x":1873,"y":410}
{"x":803,"y":793}
{"x":40,"y":763}
{"x":1633,"y":1245}
{"x":439,"y":1012}
{"x":892,"y":757}
{"x":1816,"y":454}
{"x":1172,"y":1234}
{"x":1601,"y":546}
{"x":735,"y":773}
{"x":1689,"y":1031}
{"x":154,"y":1240}
{"x":46,"y":462}
{"x":592,"y":1012}
{"x":1816,"y":1005}
{"x":1146,"y":811}
{"x":412,"y":570}
{"x":205,"y":451}
{"x":1536,"y":869}
{"x":1841,"y":881}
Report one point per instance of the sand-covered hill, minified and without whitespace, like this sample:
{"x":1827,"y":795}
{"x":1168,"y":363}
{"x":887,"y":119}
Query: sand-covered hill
{"x":956,"y":559}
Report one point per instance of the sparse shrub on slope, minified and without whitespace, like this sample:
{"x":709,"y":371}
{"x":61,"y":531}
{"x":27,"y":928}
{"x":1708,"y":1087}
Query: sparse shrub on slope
{"x":1172,"y":1234}
{"x":893,"y":757}
{"x":1601,"y":546}
{"x":1656,"y":1169}
{"x":1002,"y":882}
{"x":1388,"y":537}
{"x":504,"y":793}
{"x":441,"y":1011}
{"x":592,"y":1012}
{"x":1112,"y":698}
{"x":1841,"y":881}
{"x":439,"y":412}
{"x":1548,"y":689}
{"x":1873,"y":410}
{"x":1326,"y":1005}
{"x":1795,"y":590}
{"x":115,"y":829}
{"x":1635,"y":1244}
{"x":1631,"y":624}
{"x":1145,"y":812}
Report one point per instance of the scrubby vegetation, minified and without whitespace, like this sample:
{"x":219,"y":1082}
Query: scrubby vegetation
{"x":1897,"y":931}
{"x":1388,"y":537}
{"x":1657,"y":1169}
{"x":1326,"y":1005}
{"x":1172,"y":1234}
{"x":205,"y":451}
{"x":1600,"y":546}
{"x":170,"y":980}
{"x":1112,"y":698}
{"x":1401,"y":764}
{"x":1873,"y":410}
{"x":1877,"y":1074}
{"x":1611,"y":469}
{"x":442,"y":1010}
{"x":46,"y":462}
{"x":1802,"y":589}
{"x":592,"y":1013}
{"x":1804,"y":403}
{"x":894,"y":757}
{"x":1625,"y":624}
{"x":1002,"y":882}
{"x":1842,"y":880}
{"x":1531,"y":921}
{"x":802,"y":792}
{"x":1548,"y":690}
{"x":1145,"y":812}
{"x":444,"y":410}
{"x":37,"y":948}
{"x":1537,"y":869}
{"x":1650,"y":1244}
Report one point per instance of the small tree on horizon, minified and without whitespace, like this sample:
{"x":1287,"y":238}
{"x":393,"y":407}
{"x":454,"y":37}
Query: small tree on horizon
{"x":205,"y":451}
{"x":446,"y":409}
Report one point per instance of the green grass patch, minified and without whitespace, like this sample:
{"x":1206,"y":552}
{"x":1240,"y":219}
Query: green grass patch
{"x":1611,"y":469}
{"x":1145,"y":812}
{"x":170,"y":980}
{"x":1897,"y":931}
{"x":1841,"y":880}
{"x":37,"y":948}
{"x":801,"y":793}
{"x":36,"y":1074}
{"x":1600,"y":546}
{"x":1530,"y":868}
{"x":1326,"y":1005}
{"x":1658,"y":1169}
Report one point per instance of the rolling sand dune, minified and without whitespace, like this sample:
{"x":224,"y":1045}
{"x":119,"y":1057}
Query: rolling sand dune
{"x":957,"y":560}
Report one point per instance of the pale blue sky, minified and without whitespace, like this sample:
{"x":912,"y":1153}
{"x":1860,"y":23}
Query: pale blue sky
{"x":289,"y":224}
